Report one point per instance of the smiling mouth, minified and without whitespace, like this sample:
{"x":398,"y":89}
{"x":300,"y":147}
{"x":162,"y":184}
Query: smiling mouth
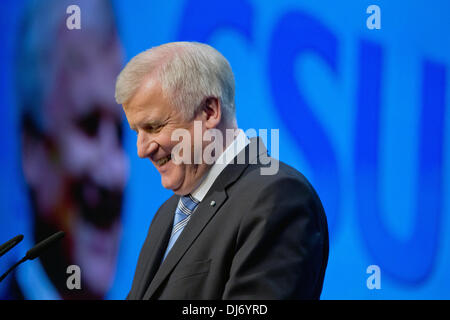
{"x":163,"y":161}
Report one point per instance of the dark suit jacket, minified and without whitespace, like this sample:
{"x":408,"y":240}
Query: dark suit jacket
{"x":266,"y":237}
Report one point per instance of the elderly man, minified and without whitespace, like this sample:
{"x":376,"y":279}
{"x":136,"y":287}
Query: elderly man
{"x":229,"y":231}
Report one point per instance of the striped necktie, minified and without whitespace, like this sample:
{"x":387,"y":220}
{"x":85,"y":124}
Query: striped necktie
{"x":186,"y":205}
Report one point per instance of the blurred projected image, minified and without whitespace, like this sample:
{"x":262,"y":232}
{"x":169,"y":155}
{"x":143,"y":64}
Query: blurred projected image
{"x":72,"y":158}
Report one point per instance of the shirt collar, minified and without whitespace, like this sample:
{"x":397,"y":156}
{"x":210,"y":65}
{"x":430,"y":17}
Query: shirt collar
{"x":221,"y":162}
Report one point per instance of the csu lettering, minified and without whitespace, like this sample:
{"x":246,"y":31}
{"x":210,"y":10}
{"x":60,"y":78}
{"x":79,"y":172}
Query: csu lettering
{"x":296,"y":34}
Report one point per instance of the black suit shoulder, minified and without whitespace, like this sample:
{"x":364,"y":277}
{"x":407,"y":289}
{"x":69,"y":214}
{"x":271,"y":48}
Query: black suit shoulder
{"x":254,"y":174}
{"x":282,"y":236}
{"x":287,"y":184}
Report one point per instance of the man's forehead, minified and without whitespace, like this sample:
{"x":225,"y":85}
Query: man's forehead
{"x":148,"y":104}
{"x":146,"y":97}
{"x":149,"y":90}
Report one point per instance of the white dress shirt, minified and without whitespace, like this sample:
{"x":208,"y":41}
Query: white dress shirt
{"x":221,"y":162}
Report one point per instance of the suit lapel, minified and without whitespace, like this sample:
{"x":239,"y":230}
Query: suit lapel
{"x":157,"y":243}
{"x":200,"y":218}
{"x":197,"y":223}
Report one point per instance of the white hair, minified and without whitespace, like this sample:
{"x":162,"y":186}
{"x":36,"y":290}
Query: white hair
{"x":188,"y":73}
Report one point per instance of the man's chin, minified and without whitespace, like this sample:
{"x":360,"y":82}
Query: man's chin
{"x":170,"y":185}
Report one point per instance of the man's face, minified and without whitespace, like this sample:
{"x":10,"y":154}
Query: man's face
{"x":88,"y":125}
{"x":153,"y":118}
{"x":86,"y":168}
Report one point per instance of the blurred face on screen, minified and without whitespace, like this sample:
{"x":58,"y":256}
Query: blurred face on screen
{"x":79,"y":177}
{"x":89,"y":137}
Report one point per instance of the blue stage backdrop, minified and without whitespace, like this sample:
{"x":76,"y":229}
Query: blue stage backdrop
{"x":363,"y":113}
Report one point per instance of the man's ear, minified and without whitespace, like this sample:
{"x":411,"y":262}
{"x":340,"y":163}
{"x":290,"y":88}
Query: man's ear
{"x":35,"y":160}
{"x":212,"y":112}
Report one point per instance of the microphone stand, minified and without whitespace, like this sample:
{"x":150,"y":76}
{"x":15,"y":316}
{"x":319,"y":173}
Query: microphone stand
{"x":13,"y":267}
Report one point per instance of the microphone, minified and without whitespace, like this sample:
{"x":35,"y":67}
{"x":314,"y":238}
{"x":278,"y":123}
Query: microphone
{"x":36,"y":251}
{"x":8,"y":245}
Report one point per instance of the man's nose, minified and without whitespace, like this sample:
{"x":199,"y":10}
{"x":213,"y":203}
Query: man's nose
{"x":146,"y":145}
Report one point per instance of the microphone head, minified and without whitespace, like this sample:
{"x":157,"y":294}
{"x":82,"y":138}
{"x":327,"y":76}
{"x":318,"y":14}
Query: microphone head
{"x":8,"y":245}
{"x":36,"y":251}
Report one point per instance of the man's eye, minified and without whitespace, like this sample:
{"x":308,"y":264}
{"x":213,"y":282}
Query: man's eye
{"x":155,"y":128}
{"x":89,"y":124}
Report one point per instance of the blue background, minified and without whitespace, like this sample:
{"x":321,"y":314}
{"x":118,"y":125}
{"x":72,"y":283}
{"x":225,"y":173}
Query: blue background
{"x":364,"y":114}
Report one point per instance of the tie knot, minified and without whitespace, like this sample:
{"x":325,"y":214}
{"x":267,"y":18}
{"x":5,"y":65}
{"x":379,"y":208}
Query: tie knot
{"x":187,"y":204}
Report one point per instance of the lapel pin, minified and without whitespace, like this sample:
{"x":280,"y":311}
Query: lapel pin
{"x":213,"y":203}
